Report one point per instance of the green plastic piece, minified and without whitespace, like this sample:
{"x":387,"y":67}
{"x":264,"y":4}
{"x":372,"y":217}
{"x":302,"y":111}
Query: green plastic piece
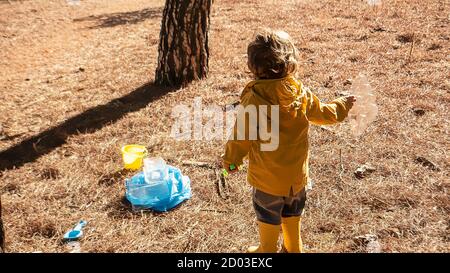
{"x":225,"y":172}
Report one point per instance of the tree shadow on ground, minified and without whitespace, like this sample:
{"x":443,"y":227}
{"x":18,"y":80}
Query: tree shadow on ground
{"x":89,"y":121}
{"x":122,"y":18}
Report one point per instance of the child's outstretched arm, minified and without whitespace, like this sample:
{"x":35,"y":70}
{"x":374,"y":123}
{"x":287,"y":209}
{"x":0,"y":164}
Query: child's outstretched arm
{"x":235,"y":149}
{"x":327,"y":113}
{"x":238,"y":146}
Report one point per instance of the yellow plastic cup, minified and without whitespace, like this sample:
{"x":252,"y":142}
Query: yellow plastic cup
{"x":133,"y":156}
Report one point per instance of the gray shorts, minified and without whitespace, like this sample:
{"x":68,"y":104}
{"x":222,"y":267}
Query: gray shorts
{"x":270,"y":208}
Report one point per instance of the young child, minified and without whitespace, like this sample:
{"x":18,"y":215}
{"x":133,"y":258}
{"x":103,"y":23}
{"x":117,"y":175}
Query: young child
{"x":279,"y":177}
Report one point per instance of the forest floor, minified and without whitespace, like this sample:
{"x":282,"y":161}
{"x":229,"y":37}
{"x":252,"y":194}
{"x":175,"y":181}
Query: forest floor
{"x":76,"y":85}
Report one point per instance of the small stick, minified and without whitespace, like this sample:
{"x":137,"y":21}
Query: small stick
{"x":2,"y":230}
{"x":381,"y":201}
{"x":198,"y":164}
{"x":215,"y":210}
{"x":411,"y":48}
{"x":341,"y":165}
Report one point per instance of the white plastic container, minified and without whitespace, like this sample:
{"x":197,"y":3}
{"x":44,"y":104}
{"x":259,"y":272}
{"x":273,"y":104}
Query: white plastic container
{"x":155,"y":170}
{"x":156,"y":176}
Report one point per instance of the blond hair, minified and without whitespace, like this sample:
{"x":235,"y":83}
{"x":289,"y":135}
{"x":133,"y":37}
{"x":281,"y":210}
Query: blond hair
{"x":272,"y":55}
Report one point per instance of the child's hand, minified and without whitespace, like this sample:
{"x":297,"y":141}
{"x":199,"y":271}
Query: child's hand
{"x":227,"y":167}
{"x":349,"y":100}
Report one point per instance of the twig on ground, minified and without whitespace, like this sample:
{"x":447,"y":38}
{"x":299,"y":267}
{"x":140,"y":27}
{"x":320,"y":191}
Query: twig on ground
{"x":411,"y":48}
{"x":198,"y":164}
{"x":215,"y":210}
{"x":341,"y":166}
{"x":2,"y":231}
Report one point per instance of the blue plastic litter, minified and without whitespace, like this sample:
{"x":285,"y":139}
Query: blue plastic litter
{"x":76,"y":232}
{"x":161,"y":196}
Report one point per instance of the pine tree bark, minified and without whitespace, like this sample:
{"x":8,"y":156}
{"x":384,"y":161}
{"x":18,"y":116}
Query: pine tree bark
{"x":183,"y":43}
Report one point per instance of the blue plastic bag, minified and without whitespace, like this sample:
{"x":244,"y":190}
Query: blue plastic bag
{"x":159,"y":197}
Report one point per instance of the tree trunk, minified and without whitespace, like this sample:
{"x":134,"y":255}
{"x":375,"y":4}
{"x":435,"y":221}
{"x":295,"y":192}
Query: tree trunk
{"x":2,"y":231}
{"x":183,"y":43}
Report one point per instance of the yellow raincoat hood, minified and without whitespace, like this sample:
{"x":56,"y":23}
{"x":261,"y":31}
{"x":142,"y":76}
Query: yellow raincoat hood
{"x":285,"y":170}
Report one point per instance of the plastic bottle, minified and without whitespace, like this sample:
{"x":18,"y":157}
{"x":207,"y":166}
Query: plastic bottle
{"x":365,"y":109}
{"x":155,"y":170}
{"x":156,"y":177}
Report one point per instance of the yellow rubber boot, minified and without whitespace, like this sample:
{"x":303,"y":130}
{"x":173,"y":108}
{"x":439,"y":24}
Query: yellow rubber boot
{"x":292,"y":240}
{"x":268,"y":238}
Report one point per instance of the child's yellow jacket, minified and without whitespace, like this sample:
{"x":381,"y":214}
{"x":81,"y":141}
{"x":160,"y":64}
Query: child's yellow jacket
{"x":277,"y":172}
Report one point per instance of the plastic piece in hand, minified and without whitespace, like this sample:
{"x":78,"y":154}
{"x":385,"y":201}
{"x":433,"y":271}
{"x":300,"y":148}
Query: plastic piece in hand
{"x":365,"y":109}
{"x":225,"y":172}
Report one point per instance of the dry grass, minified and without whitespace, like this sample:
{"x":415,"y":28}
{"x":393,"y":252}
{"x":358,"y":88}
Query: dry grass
{"x":57,"y":61}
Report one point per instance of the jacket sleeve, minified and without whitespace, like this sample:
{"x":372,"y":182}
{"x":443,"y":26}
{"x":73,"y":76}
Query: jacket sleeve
{"x":324,"y":113}
{"x":236,"y":150}
{"x":238,"y":146}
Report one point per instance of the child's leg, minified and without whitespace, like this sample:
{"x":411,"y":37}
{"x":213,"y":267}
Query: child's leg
{"x":291,"y":222}
{"x":268,"y":213}
{"x":292,"y":240}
